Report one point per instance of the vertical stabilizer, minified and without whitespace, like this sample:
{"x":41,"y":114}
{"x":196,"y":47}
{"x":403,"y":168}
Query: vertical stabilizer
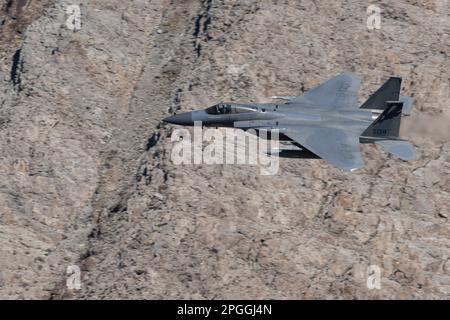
{"x":389,"y":91}
{"x":387,"y":125}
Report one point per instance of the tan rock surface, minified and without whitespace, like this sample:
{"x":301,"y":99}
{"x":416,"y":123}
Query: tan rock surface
{"x":86,"y":177}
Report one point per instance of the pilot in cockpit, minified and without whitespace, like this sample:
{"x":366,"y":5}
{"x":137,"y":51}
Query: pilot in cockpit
{"x":219,"y":109}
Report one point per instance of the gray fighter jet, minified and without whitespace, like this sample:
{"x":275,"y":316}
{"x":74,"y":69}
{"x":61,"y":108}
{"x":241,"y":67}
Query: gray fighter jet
{"x":325,"y":122}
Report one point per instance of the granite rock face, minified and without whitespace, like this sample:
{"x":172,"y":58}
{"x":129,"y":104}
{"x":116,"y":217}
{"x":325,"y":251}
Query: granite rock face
{"x":87,"y":180}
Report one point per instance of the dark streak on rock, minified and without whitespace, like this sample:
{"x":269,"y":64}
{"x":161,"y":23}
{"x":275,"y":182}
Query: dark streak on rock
{"x":177,"y":99}
{"x":16,"y":70}
{"x":120,"y":207}
{"x":9,"y":5}
{"x":152,"y":141}
{"x":202,"y":22}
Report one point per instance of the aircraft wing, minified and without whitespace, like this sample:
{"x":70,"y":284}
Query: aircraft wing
{"x":339,"y":92}
{"x":337,"y":146}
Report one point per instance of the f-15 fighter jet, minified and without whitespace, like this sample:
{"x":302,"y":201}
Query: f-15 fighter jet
{"x":325,"y":122}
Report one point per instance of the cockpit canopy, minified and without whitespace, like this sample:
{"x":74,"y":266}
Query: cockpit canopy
{"x":228,"y":108}
{"x":221,"y":108}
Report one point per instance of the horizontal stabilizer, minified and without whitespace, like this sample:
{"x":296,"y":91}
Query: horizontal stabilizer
{"x":400,"y":148}
{"x":407,"y":105}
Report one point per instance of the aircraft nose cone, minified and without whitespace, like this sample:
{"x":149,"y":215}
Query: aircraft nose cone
{"x":181,"y":119}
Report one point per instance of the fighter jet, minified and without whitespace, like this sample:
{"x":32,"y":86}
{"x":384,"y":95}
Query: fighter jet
{"x":325,"y":122}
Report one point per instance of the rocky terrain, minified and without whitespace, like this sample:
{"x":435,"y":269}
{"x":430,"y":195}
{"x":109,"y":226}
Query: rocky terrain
{"x":86,"y":177}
